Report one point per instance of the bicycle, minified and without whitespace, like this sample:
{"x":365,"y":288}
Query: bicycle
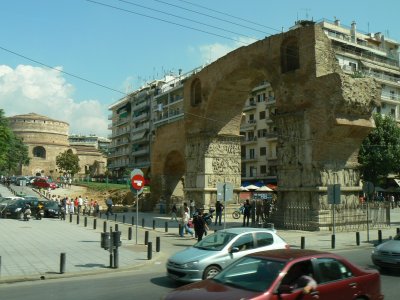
{"x":238,"y":212}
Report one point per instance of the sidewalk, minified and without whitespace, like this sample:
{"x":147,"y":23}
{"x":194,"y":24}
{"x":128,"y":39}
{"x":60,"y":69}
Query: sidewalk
{"x":31,"y":250}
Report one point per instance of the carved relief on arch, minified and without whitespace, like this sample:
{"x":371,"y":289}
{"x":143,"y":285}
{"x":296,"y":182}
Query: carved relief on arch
{"x":290,"y":60}
{"x":195,"y":92}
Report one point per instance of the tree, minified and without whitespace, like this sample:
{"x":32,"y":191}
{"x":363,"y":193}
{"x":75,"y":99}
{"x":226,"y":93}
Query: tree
{"x":379,"y":154}
{"x":13,"y":152}
{"x":68,"y":162}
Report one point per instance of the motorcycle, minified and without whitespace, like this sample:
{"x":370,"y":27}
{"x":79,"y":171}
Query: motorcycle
{"x":27,"y":213}
{"x":39,"y":214}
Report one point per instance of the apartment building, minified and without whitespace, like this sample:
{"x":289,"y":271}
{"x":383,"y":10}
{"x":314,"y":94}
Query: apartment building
{"x":100,"y":143}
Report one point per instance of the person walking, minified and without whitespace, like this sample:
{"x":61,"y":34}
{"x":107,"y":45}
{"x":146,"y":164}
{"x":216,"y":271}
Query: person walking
{"x":185,"y":223}
{"x":174,"y":210}
{"x":192,"y":208}
{"x":246,"y":213}
{"x":109,"y":204}
{"x":200,"y":226}
{"x":219,"y":207}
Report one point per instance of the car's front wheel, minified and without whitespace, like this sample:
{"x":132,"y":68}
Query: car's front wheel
{"x":211,"y":271}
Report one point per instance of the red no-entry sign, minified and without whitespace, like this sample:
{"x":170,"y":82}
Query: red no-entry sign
{"x":137,"y":182}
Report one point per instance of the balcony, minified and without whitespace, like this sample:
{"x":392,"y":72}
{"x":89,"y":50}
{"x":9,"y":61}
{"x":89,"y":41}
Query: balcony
{"x":249,"y":140}
{"x":142,"y":127}
{"x":140,"y":117}
{"x":271,"y":135}
{"x":249,"y":106}
{"x":249,"y":158}
{"x":390,"y":97}
{"x":251,"y":124}
{"x":140,"y":152}
{"x":118,"y":154}
{"x":110,"y":116}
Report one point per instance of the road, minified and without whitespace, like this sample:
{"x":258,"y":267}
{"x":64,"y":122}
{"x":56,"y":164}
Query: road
{"x":149,"y":282}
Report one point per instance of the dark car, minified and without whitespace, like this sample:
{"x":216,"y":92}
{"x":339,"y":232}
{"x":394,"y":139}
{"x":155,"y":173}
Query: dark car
{"x":16,"y":208}
{"x":275,"y":274}
{"x":51,"y":209}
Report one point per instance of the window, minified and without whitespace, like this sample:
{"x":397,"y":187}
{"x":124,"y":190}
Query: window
{"x":262,"y":115}
{"x":296,"y":271}
{"x":253,"y":171}
{"x":245,"y":242}
{"x":264,"y":239}
{"x":252,"y":153}
{"x":263,"y":151}
{"x":331,"y":269}
{"x":393,"y":112}
{"x":353,"y":66}
{"x":262,"y":133}
{"x":263,"y":169}
{"x":290,"y":55}
{"x":251,"y":118}
{"x":195,"y":95}
{"x":39,"y":151}
{"x":260,"y":98}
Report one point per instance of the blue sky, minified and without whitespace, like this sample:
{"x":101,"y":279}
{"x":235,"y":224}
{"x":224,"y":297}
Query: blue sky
{"x":121,"y":45}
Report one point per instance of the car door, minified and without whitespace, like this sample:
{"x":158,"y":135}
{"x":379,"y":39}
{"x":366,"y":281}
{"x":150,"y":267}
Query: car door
{"x":245,"y":244}
{"x":335,"y":280}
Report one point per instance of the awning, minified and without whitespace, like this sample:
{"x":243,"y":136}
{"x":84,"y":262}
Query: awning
{"x":139,"y":135}
{"x":397,"y":181}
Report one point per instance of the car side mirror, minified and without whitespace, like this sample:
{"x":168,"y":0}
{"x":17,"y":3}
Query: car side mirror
{"x":285,"y":289}
{"x":234,"y":250}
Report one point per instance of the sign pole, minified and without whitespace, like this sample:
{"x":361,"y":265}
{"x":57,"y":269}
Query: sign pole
{"x":224,"y":205}
{"x":137,"y":214}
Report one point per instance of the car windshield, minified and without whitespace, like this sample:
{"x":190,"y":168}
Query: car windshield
{"x":251,"y":273}
{"x":216,"y":241}
{"x":51,"y":204}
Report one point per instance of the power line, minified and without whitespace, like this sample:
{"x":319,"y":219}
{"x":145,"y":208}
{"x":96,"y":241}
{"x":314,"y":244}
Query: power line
{"x":61,"y":71}
{"x":187,"y":19}
{"x":169,"y":22}
{"x":213,"y":17}
{"x":226,"y":14}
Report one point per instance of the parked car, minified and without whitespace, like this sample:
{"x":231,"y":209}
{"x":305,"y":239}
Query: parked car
{"x":16,"y":208}
{"x":51,"y":209}
{"x":43,"y":183}
{"x":208,"y":257}
{"x":4,"y":202}
{"x":387,"y":254}
{"x":273,"y":275}
{"x":20,"y":179}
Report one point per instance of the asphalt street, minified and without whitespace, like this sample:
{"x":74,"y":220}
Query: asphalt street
{"x":32,"y":250}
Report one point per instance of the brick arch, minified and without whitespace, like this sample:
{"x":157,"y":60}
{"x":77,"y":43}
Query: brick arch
{"x":315,"y":102}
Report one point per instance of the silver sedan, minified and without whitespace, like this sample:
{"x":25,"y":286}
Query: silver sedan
{"x":208,"y":257}
{"x":387,"y":254}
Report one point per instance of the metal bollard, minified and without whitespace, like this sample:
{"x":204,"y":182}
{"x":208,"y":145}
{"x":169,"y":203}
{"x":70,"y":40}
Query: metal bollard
{"x":70,"y":218}
{"x":158,"y":240}
{"x":149,"y":251}
{"x":333,"y":241}
{"x":62,"y":263}
{"x":104,"y":226}
{"x":166,"y":226}
{"x":133,"y":220}
{"x":77,"y":219}
{"x":129,"y":233}
{"x":123,"y":219}
{"x":94,"y":224}
{"x":146,"y":237}
{"x":379,"y":236}
{"x":116,"y":259}
{"x":358,"y":238}
{"x":116,"y":227}
{"x":85,"y":222}
{"x":143,"y":222}
{"x":0,"y":266}
{"x":154,"y":224}
{"x":303,"y":242}
{"x":115,"y":217}
{"x":397,"y":230}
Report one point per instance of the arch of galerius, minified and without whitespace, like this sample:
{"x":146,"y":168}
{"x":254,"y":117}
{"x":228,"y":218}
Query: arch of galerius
{"x":322,"y":116}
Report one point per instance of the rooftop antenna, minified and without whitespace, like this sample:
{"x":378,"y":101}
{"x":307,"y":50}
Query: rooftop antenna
{"x":306,"y":10}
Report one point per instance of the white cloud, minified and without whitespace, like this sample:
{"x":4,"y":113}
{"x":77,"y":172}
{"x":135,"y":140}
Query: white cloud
{"x":211,"y":52}
{"x":27,"y":89}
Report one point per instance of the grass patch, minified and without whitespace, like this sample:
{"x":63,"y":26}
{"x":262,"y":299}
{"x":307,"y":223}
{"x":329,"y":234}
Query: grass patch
{"x":100,"y":186}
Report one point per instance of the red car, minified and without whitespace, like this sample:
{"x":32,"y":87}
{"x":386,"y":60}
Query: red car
{"x":276,"y":274}
{"x":43,"y":183}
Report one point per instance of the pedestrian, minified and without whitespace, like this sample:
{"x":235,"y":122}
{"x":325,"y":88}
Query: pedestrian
{"x":185,"y":223}
{"x":246,"y":213}
{"x":219,"y":207}
{"x":76,"y":203}
{"x":200,"y":226}
{"x":80,"y":204}
{"x":174,"y":210}
{"x":109,"y":204}
{"x":192,"y":208}
{"x":96,"y":209}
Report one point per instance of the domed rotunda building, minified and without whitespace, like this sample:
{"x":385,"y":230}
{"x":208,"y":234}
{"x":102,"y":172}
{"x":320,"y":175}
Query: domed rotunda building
{"x":46,"y":138}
